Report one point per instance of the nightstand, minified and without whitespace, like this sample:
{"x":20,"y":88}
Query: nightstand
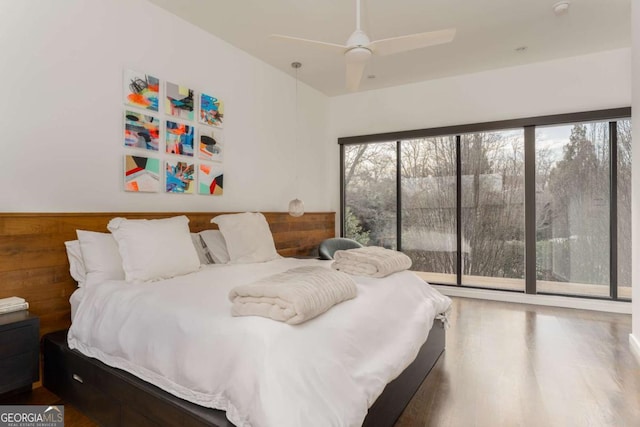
{"x":19,"y":351}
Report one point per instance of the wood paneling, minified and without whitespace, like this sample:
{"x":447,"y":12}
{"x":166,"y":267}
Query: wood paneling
{"x":34,"y":266}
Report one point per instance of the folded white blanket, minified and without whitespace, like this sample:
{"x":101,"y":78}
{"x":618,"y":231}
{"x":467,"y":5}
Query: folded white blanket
{"x":295,"y":296}
{"x":372,"y":261}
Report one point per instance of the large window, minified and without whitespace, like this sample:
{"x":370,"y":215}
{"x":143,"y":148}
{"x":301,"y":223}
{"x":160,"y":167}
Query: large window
{"x":539,"y":205}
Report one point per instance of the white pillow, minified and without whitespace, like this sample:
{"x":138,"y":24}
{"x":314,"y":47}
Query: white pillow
{"x":154,"y":249}
{"x":247,"y":236}
{"x":101,"y":257}
{"x":216,"y":246}
{"x":201,"y":249}
{"x":76,"y":263}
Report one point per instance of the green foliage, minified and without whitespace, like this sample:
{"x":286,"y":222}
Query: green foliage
{"x":353,"y":229}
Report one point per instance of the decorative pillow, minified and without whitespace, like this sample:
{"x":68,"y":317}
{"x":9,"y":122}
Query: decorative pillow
{"x":76,"y":263}
{"x":154,"y":249}
{"x":216,"y":246}
{"x":247,"y":236}
{"x":101,"y":257}
{"x":201,"y":249}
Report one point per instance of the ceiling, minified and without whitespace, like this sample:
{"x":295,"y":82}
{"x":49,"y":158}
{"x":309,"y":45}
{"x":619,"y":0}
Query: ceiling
{"x":488,"y":33}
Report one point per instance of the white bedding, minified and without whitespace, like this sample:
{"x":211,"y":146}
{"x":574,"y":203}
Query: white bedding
{"x":179,"y":335}
{"x":74,"y":300}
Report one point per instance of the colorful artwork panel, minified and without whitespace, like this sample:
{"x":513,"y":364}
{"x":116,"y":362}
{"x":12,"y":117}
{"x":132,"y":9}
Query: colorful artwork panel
{"x":180,"y":177}
{"x":179,"y":101}
{"x":211,"y":110}
{"x":141,"y":131}
{"x":141,"y":174}
{"x":210,"y":144}
{"x":179,"y":138}
{"x":141,"y":90}
{"x":210,"y":179}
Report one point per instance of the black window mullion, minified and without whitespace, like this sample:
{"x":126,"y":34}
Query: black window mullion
{"x":530,"y":208}
{"x":613,"y":210}
{"x":398,"y":196}
{"x":342,"y":192}
{"x":458,"y":211}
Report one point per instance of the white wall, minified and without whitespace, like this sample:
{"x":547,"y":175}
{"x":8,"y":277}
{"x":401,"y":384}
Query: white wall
{"x":61,"y":84}
{"x":635,"y":197}
{"x":582,"y":83}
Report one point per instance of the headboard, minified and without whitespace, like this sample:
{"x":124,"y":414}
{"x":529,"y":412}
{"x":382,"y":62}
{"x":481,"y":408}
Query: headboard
{"x":33,"y":259}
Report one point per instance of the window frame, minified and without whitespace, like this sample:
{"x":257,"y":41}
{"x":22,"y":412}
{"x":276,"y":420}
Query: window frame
{"x":528,"y":125}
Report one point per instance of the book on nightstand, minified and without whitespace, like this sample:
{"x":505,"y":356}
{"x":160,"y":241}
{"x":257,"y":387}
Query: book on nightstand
{"x":11,"y":304}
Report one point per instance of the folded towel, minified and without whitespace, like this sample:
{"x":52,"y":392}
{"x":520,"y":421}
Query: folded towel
{"x":294,"y":296}
{"x":5,"y":302}
{"x":373,"y":261}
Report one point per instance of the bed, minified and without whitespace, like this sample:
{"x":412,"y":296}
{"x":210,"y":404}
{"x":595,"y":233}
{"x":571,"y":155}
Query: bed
{"x":173,"y":344}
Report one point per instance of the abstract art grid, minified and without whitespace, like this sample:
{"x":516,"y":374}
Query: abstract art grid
{"x":142,"y":131}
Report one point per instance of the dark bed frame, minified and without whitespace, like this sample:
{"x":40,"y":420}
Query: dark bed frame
{"x":113,"y":397}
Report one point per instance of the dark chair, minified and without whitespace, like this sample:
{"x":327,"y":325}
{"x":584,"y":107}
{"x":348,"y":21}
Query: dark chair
{"x":330,"y":246}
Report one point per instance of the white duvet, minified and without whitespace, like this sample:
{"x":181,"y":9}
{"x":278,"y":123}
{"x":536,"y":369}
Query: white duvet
{"x":179,"y":335}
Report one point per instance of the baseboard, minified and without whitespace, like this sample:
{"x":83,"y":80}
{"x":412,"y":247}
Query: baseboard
{"x":548,"y":300}
{"x":634,"y":344}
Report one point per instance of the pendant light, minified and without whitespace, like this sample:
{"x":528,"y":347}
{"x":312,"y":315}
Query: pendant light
{"x":296,"y":207}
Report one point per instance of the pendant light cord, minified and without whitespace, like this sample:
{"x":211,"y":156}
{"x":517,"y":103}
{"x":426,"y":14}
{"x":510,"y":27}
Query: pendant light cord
{"x":295,"y":130}
{"x":296,"y":66}
{"x":296,"y":207}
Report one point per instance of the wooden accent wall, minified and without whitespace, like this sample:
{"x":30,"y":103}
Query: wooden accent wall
{"x":33,"y":259}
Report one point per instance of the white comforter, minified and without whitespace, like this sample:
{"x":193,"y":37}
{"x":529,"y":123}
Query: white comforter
{"x":179,"y":335}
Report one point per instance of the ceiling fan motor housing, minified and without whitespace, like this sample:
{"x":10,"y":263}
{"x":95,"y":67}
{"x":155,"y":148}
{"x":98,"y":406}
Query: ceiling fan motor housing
{"x":358,"y":39}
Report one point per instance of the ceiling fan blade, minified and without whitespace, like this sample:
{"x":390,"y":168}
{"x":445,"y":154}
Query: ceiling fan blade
{"x":330,"y":46}
{"x":355,"y":70}
{"x":411,"y":42}
{"x":356,"y":59}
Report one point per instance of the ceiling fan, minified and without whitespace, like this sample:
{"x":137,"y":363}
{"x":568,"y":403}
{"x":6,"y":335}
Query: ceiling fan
{"x":359,"y":48}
